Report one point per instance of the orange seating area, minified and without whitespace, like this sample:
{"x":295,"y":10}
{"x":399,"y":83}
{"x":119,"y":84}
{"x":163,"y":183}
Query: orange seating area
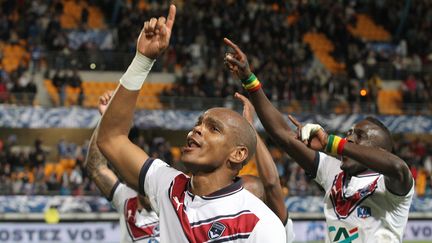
{"x":64,"y":165}
{"x":390,"y":102}
{"x":292,"y":19}
{"x":321,"y":47}
{"x":366,"y":28}
{"x":148,"y":98}
{"x":71,"y":17}
{"x":13,"y":54}
{"x":52,"y":92}
{"x":421,"y":182}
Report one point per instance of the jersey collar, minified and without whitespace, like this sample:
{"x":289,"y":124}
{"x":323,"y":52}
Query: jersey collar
{"x":234,"y":187}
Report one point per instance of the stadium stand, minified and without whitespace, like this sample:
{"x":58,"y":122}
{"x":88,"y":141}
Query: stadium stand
{"x":332,"y":58}
{"x":326,"y":50}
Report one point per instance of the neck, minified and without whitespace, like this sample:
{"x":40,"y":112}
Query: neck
{"x":206,"y":184}
{"x":139,"y":205}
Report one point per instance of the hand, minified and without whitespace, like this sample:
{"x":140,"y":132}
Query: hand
{"x":248,"y":109}
{"x":312,"y":135}
{"x":237,"y":62}
{"x":104,"y":101}
{"x":154,"y":37}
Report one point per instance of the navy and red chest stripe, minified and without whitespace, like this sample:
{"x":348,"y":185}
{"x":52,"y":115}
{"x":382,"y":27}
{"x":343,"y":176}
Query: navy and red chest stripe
{"x":344,"y":206}
{"x":220,"y":228}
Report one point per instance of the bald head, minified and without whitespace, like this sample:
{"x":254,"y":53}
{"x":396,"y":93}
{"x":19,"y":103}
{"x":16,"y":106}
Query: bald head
{"x":254,"y":185}
{"x":382,"y":136}
{"x":242,"y":133}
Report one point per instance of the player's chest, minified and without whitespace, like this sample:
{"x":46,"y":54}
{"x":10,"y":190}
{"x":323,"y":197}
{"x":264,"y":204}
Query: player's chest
{"x":203,"y":220}
{"x":357,"y":197}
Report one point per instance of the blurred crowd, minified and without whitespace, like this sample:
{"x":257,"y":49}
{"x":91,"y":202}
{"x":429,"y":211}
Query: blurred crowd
{"x":42,"y":170}
{"x":28,"y":171}
{"x":270,"y":32}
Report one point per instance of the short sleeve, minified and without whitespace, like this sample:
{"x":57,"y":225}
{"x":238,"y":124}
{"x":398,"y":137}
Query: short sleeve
{"x":121,"y":193}
{"x":289,"y":228}
{"x":155,"y":179}
{"x":268,"y":231}
{"x":328,"y":168}
{"x":401,"y":206}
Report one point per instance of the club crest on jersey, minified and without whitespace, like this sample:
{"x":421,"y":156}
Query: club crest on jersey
{"x":216,"y":230}
{"x":364,"y":212}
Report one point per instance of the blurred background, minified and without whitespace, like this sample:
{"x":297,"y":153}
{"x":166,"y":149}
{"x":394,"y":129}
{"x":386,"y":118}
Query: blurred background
{"x":331,"y":62}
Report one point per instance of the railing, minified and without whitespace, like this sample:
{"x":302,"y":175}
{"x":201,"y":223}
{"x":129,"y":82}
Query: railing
{"x":119,"y":61}
{"x":93,"y":60}
{"x":21,"y":98}
{"x":337,"y":106}
{"x":387,"y":71}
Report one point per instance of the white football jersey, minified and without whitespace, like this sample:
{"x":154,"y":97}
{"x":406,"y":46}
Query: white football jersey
{"x":361,"y":210}
{"x":289,"y":228}
{"x":135,"y":226}
{"x":231,"y":214}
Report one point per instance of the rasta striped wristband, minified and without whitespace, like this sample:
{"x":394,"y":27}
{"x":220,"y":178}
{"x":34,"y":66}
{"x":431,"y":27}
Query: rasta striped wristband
{"x":251,"y":84}
{"x":335,"y":145}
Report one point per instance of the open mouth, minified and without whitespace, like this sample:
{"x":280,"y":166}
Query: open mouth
{"x":191,"y":144}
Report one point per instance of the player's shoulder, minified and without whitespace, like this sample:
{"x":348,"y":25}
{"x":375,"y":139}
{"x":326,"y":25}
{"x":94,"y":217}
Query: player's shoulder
{"x":161,"y":166}
{"x":122,"y":191}
{"x":259,"y":208}
{"x":323,"y":157}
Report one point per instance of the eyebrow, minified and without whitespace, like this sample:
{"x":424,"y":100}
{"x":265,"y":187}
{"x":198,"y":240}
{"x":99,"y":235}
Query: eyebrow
{"x":199,"y":120}
{"x":213,"y":121}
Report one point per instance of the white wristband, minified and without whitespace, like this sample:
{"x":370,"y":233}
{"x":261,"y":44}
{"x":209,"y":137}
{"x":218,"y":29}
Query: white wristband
{"x":309,"y":130}
{"x":137,"y":72}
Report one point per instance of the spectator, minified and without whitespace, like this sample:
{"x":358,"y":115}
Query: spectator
{"x":38,"y":155}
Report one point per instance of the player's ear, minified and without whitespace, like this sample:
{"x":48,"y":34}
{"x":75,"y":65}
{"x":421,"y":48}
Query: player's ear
{"x":239,"y":154}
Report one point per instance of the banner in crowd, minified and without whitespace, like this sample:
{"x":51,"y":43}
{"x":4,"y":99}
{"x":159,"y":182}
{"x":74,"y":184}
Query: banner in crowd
{"x":314,"y":204}
{"x":306,"y":231}
{"x":64,"y":204}
{"x":78,"y":117}
{"x":88,"y":204}
{"x":82,"y":232}
{"x":108,"y":232}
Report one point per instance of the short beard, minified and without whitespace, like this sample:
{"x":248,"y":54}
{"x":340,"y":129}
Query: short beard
{"x":195,"y":169}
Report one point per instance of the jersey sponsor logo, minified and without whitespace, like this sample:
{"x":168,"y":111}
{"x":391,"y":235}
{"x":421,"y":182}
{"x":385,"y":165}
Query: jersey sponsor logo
{"x":343,"y":205}
{"x":176,"y":200}
{"x":343,"y":235}
{"x":216,"y":230}
{"x":364,"y":212}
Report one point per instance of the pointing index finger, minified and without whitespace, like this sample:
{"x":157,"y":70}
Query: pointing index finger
{"x":294,"y":121}
{"x":240,"y":97}
{"x":171,"y":16}
{"x":232,"y":45}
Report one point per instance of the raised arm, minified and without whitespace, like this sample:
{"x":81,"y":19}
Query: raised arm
{"x":398,"y":178}
{"x":269,"y":116}
{"x":96,"y":164}
{"x":112,"y":139}
{"x":266,"y":168}
{"x":362,"y":146}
